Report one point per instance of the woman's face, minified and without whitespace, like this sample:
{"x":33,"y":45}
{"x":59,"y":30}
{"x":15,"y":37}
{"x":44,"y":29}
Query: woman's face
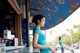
{"x":42,"y":22}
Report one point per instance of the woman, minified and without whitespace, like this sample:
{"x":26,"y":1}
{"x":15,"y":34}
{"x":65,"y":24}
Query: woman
{"x":39,"y":40}
{"x":61,"y":45}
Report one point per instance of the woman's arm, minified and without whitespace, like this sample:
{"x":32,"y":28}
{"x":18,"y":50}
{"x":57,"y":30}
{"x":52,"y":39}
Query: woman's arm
{"x":35,"y":40}
{"x":36,"y":45}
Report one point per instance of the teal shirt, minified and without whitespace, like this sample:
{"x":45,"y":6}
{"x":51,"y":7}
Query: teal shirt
{"x":41,"y":40}
{"x":61,"y":43}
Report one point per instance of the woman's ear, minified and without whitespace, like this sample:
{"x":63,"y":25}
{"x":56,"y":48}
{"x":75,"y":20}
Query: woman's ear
{"x":38,"y":21}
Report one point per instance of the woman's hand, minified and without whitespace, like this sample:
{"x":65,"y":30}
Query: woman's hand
{"x":53,"y":51}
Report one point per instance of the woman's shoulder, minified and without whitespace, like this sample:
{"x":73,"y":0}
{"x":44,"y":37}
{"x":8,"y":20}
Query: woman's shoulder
{"x":36,"y":30}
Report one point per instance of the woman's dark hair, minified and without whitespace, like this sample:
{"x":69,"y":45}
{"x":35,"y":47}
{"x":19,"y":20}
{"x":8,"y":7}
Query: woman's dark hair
{"x":36,"y":18}
{"x":59,"y":38}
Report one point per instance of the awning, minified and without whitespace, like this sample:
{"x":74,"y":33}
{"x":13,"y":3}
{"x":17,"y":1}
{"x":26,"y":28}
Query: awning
{"x":15,"y":6}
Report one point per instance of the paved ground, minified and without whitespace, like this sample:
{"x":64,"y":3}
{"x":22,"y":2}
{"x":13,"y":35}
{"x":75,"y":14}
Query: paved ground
{"x":68,"y":51}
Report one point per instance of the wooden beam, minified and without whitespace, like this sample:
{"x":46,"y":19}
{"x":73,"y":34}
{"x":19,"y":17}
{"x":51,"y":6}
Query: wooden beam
{"x":15,"y":6}
{"x":18,"y":29}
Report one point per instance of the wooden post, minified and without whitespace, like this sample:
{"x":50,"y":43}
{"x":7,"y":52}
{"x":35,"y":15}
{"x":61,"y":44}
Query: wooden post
{"x":18,"y":29}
